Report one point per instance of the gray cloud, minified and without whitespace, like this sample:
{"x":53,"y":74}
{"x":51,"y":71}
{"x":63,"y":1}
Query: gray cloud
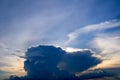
{"x":53,"y":63}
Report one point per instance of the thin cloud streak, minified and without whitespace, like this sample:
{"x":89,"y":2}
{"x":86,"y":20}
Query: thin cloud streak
{"x":92,"y":28}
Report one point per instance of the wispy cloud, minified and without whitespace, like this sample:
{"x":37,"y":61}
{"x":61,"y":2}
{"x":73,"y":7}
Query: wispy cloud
{"x":92,"y":28}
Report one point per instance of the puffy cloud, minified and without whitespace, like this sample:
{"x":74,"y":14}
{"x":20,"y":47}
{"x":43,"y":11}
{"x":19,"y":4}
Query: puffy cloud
{"x":79,"y":61}
{"x":43,"y":60}
{"x":52,"y":63}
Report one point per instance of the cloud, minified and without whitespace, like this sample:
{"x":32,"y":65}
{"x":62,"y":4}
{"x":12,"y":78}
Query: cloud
{"x":94,"y":28}
{"x":24,"y":32}
{"x":70,"y":49}
{"x":49,"y":62}
{"x":96,"y":73}
{"x":108,"y":47}
{"x":79,"y":61}
{"x":103,"y":37}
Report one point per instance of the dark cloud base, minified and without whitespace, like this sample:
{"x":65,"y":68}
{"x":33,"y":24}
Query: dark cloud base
{"x":53,"y":63}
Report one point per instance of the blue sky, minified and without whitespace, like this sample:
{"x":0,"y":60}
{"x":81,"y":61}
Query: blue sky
{"x":89,"y":24}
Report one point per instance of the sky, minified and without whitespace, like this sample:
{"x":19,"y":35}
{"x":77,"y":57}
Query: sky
{"x":72,"y":25}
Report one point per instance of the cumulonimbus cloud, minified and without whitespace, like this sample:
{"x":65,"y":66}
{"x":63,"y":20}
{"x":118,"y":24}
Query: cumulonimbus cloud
{"x":54,"y":63}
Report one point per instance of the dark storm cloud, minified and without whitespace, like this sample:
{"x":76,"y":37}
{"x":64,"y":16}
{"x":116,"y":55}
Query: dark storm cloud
{"x":43,"y":60}
{"x":79,"y":61}
{"x":53,"y":63}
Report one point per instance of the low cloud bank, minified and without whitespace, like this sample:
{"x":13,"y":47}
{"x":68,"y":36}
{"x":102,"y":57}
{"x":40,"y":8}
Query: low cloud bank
{"x":53,"y":63}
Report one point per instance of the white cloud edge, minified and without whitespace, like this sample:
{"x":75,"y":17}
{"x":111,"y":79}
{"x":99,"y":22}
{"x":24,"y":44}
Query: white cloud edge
{"x":90,"y":28}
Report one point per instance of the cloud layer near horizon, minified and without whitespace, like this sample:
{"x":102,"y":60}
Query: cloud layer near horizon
{"x":49,"y":62}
